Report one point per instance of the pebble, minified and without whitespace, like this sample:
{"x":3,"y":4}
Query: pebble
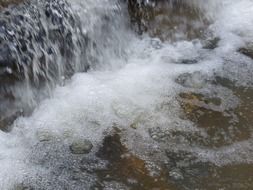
{"x":81,"y":147}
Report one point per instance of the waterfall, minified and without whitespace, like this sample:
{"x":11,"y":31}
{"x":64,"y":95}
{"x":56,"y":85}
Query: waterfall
{"x":43,"y":43}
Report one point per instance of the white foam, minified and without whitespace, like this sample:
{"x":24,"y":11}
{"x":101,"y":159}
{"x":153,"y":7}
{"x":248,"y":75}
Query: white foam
{"x":92,"y":102}
{"x":234,"y":23}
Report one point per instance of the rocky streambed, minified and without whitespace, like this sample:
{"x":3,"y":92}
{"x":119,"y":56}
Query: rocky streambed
{"x":108,"y":94}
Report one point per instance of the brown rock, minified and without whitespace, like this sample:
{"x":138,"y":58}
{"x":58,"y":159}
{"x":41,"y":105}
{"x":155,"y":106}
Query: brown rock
{"x":5,"y":3}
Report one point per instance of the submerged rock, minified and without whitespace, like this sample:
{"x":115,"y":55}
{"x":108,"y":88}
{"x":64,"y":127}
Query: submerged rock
{"x":81,"y":146}
{"x":192,"y":80}
{"x":224,"y":112}
{"x":127,"y":168}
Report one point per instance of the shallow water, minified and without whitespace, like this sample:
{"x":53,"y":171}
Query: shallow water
{"x":165,"y":113}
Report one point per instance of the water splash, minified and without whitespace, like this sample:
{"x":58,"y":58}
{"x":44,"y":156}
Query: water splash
{"x":45,"y":43}
{"x":132,"y":89}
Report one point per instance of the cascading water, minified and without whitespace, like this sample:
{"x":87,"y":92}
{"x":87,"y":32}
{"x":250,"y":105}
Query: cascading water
{"x":162,"y":110}
{"x":41,"y":43}
{"x":45,"y":44}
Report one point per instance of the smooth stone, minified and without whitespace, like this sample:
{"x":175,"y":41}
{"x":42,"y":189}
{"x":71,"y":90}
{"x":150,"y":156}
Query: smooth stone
{"x":81,"y":147}
{"x":44,"y":136}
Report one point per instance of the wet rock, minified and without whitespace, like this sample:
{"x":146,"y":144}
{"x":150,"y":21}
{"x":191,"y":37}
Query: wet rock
{"x":33,"y":36}
{"x":140,"y":12}
{"x":185,"y":170}
{"x":234,"y":176}
{"x":192,"y":80}
{"x":167,"y":20}
{"x":44,"y":136}
{"x":6,"y":120}
{"x":112,"y":148}
{"x":179,"y":158}
{"x":177,"y":135}
{"x":189,"y":61}
{"x":211,"y":43}
{"x":5,"y":3}
{"x":81,"y":146}
{"x":176,"y":174}
{"x":127,"y":168}
{"x":223,"y":113}
{"x":21,"y":187}
{"x":248,"y":51}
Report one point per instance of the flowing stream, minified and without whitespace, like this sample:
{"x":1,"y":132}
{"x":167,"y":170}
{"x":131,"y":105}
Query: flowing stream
{"x":163,"y":110}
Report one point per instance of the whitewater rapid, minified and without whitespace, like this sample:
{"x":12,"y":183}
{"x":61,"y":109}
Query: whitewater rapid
{"x":131,"y":80}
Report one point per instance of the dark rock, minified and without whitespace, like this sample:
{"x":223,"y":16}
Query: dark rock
{"x":5,"y":123}
{"x":125,"y":167}
{"x":139,"y":11}
{"x":189,"y":61}
{"x":211,"y":43}
{"x":248,"y":51}
{"x":112,"y":148}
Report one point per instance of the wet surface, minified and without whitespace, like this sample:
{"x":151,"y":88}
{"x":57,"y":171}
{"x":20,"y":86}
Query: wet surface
{"x":223,"y":113}
{"x":181,"y":130}
{"x":127,"y":168}
{"x":181,"y":170}
{"x":247,"y":51}
{"x":169,"y":20}
{"x":223,"y":126}
{"x":5,"y":3}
